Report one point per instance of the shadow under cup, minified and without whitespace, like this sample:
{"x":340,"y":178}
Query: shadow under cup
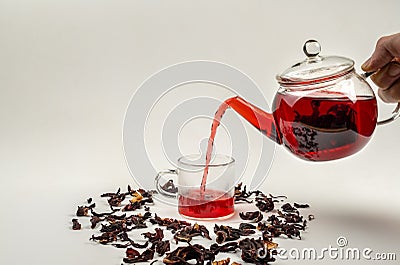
{"x":216,"y":201}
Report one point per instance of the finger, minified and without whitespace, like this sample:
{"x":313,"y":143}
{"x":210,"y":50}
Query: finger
{"x":386,"y":49}
{"x":387,"y":75}
{"x":391,"y":95}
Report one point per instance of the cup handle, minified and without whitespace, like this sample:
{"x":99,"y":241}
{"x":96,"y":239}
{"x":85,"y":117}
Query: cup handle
{"x":395,"y":113}
{"x":168,"y":189}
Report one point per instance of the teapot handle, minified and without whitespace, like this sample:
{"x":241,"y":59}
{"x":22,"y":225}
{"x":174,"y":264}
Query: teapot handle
{"x":396,"y":111}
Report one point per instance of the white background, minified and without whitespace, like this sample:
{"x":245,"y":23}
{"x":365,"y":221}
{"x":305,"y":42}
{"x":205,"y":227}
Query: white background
{"x":69,"y":68}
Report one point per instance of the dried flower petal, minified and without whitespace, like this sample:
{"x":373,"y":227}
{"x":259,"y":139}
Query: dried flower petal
{"x":256,"y":216}
{"x":137,"y":197}
{"x":299,"y":206}
{"x":76,"y":225}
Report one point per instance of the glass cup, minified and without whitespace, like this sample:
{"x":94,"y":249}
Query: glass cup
{"x":215,"y":201}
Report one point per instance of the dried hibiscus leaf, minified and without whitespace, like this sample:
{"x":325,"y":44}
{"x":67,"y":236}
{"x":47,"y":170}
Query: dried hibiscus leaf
{"x":95,"y":220}
{"x":170,"y":223}
{"x":287,"y":207}
{"x":132,"y":253}
{"x":265,"y":204}
{"x":241,"y":194}
{"x":227,"y":247}
{"x":222,"y":236}
{"x":281,"y":197}
{"x":256,"y":216}
{"x":102,"y":214}
{"x":113,"y":227}
{"x":137,"y":245}
{"x":136,"y":197}
{"x":116,"y":200}
{"x":105,"y":238}
{"x":226,"y":233}
{"x":133,"y":256}
{"x":256,"y":251}
{"x":153,"y":237}
{"x":182,"y":255}
{"x":132,"y":206}
{"x":187,"y":233}
{"x":76,"y":225}
{"x":299,"y":205}
{"x":84,"y":210}
{"x":291,"y":217}
{"x":161,"y":247}
{"x":243,"y":226}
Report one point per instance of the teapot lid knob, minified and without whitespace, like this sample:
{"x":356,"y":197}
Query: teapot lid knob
{"x":315,"y":68}
{"x":312,"y":48}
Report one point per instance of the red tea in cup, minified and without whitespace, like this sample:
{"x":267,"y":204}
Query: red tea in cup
{"x":212,"y":204}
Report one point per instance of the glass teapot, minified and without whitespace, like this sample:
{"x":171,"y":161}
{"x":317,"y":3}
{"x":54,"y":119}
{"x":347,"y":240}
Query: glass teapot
{"x":323,"y":109}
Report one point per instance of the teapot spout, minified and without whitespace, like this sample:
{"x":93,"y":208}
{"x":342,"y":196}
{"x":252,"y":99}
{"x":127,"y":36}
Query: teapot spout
{"x":260,"y":119}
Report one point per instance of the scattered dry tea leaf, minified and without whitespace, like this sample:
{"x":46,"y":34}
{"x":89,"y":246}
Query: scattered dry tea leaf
{"x":76,"y":225}
{"x":136,"y":197}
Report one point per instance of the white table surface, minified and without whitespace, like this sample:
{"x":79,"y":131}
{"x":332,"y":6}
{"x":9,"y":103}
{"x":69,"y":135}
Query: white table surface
{"x":68,"y":69}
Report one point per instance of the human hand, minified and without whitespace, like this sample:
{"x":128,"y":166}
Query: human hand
{"x":385,"y":60}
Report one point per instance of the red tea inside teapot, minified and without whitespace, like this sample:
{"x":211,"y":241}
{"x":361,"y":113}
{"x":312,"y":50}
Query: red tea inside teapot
{"x":321,"y":129}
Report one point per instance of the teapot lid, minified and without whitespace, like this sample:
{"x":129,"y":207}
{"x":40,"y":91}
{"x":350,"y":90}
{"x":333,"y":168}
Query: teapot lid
{"x":315,"y":68}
